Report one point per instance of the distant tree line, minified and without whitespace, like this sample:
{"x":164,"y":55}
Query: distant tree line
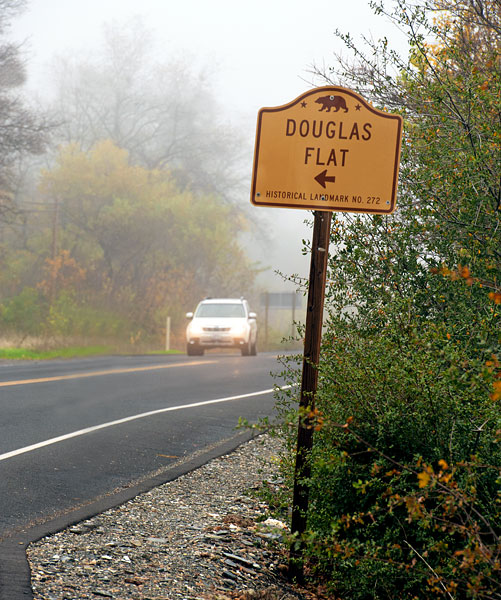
{"x":126,"y":211}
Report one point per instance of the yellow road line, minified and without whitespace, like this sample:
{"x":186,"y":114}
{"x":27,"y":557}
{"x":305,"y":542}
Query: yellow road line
{"x":100,"y":373}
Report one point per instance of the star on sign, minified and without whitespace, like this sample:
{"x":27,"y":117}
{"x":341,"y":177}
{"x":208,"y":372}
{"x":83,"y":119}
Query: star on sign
{"x":303,"y":104}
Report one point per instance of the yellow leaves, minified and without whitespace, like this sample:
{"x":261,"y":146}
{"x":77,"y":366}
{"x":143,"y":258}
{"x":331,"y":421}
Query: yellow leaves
{"x":443,"y":476}
{"x":443,"y":270}
{"x":462,"y":272}
{"x":415,"y":507}
{"x":316,"y":419}
{"x":494,"y":366}
{"x":496,"y":394}
{"x":424,"y":478}
{"x":336,"y":549}
{"x":392,"y":472}
{"x":427,"y":475}
{"x":349,"y":421}
{"x":61,"y":273}
{"x":96,"y":177}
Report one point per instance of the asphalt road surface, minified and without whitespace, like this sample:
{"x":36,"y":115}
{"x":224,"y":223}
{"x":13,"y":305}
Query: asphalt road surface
{"x":75,"y":431}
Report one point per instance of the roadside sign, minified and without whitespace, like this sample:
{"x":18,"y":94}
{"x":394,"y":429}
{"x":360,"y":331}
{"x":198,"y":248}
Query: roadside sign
{"x":282,"y":300}
{"x":328,"y":149}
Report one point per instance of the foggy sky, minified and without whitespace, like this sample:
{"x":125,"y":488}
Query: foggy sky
{"x":258,"y":52}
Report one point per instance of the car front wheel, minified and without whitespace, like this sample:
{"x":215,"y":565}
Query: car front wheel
{"x":193,"y":350}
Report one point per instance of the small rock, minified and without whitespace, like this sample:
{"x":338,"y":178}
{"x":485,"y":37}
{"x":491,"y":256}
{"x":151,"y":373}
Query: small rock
{"x":242,"y":560}
{"x":230,"y":563}
{"x":102,"y":593}
{"x":274,"y":523}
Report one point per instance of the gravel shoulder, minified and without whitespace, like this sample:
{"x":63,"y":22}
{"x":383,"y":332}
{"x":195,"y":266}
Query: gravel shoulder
{"x":203,"y":535}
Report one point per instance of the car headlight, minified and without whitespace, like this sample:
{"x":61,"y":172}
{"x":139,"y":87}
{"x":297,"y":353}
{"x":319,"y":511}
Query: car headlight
{"x":239,"y":330}
{"x":194,"y":330}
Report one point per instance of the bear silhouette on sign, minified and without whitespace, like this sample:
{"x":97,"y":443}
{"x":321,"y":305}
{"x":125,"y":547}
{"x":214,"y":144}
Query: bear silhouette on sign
{"x":329,"y":102}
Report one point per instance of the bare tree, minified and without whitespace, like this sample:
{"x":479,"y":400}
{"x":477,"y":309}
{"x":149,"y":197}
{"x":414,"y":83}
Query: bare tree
{"x":165,"y":115}
{"x":22,"y":131}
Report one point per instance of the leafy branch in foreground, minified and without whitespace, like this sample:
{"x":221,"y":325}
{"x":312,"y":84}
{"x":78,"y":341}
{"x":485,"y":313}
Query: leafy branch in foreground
{"x":405,"y":505}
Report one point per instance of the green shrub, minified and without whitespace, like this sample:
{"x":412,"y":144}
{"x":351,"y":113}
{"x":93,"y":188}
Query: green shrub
{"x":405,"y":468}
{"x":24,"y":313}
{"x":69,"y":317}
{"x":29,"y":313}
{"x":405,"y":481}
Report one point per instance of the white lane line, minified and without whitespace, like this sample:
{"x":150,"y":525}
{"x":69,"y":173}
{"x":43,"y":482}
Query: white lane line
{"x":150,"y":413}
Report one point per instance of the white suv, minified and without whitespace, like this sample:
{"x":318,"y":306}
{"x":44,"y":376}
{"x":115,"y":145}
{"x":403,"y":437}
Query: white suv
{"x":222,"y":323}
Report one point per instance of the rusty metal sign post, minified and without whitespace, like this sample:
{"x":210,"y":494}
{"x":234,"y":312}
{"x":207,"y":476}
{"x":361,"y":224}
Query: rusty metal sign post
{"x":327,"y":150}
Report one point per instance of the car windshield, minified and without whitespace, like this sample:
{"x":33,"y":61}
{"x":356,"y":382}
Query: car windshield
{"x":220,"y":310}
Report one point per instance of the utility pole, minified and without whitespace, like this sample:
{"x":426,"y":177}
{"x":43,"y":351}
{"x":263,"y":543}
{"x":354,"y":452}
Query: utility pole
{"x":55,"y":231}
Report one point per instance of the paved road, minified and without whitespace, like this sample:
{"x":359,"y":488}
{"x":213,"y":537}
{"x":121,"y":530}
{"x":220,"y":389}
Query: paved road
{"x":61,"y":445}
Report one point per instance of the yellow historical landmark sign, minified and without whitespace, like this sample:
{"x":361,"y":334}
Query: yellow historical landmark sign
{"x":329,"y":149}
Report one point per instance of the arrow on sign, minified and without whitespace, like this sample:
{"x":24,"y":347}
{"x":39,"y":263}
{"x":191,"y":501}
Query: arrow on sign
{"x":322,"y":178}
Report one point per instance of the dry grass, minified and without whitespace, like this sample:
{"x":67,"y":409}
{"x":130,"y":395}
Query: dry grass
{"x":32,"y":343}
{"x":29,"y":342}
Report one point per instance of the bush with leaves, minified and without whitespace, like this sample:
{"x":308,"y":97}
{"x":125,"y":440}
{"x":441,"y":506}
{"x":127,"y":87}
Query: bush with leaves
{"x":24,"y":313}
{"x":411,"y":396}
{"x":404,"y":489}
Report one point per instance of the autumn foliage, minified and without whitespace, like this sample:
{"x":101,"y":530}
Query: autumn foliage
{"x":114,"y":248}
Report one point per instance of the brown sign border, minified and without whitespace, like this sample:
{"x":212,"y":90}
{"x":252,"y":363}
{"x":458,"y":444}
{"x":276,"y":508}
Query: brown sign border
{"x":313,"y":206}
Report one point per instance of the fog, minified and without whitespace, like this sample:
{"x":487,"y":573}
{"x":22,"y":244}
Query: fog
{"x":253,"y":54}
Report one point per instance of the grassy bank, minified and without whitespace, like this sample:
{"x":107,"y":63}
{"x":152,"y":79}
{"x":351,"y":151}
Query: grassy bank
{"x":35,"y":348}
{"x":70,"y":352}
